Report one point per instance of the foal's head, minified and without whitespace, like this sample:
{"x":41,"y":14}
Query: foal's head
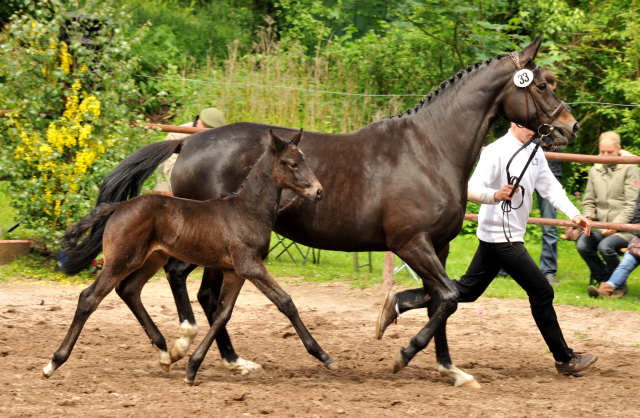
{"x":290,"y":169}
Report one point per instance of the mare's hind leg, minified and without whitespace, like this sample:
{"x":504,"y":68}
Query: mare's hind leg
{"x":445,"y":365}
{"x":88,"y":302}
{"x":208,"y":297}
{"x":177,"y":272}
{"x":129,"y":291}
{"x":257,"y":274}
{"x":420,"y":255}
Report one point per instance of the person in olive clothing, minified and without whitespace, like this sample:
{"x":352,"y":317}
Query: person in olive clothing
{"x":612,"y":190}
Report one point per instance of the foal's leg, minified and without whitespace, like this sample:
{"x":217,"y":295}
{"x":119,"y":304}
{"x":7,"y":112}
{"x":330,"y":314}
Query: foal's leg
{"x":208,"y":297}
{"x":177,"y":272}
{"x":129,"y":291}
{"x":257,"y":274}
{"x":445,"y":365}
{"x":228,"y":295}
{"x":88,"y":302}
{"x":420,"y":255}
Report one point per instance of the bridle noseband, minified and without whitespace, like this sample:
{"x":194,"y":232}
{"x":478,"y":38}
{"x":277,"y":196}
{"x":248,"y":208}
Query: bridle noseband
{"x":544,"y":129}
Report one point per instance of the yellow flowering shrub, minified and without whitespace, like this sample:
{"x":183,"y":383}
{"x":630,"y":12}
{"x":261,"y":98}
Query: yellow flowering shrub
{"x":71,"y":119}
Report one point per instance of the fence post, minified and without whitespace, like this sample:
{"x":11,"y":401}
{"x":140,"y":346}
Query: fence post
{"x":387,"y":272}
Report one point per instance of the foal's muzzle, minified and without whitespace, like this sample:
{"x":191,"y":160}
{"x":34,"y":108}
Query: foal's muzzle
{"x":314,"y":192}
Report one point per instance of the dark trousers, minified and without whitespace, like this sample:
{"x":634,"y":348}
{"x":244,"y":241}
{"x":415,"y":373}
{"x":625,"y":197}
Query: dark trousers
{"x":518,"y":263}
{"x":549,"y":254}
{"x":590,"y":246}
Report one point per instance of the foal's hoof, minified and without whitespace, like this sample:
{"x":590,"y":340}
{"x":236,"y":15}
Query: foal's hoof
{"x":47,"y":371}
{"x":244,"y":367}
{"x":43,"y":374}
{"x":398,"y":362}
{"x":187,"y":383}
{"x":472,"y":383}
{"x":166,"y":367}
{"x":332,"y":366}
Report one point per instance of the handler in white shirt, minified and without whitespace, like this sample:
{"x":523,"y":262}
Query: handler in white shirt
{"x":489,"y":186}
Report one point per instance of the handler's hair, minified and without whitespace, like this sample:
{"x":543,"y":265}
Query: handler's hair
{"x":610,"y":137}
{"x":548,"y":75}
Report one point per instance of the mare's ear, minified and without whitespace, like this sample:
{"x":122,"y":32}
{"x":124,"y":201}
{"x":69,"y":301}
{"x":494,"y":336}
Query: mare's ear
{"x":296,"y":138}
{"x":277,"y":144}
{"x":529,"y":53}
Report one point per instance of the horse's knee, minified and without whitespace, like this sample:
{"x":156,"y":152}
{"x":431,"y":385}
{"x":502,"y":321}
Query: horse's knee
{"x":286,"y":306}
{"x":449,"y":301}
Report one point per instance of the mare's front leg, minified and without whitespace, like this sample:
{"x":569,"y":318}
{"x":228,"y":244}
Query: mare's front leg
{"x":129,"y":291}
{"x":256,"y":273}
{"x":231,"y":286}
{"x":208,"y":297}
{"x":420,"y":255}
{"x":88,"y":302}
{"x":445,"y":365}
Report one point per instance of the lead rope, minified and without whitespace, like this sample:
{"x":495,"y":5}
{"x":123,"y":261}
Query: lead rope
{"x":507,"y":206}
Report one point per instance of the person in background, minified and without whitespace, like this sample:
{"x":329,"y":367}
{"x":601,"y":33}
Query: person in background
{"x":208,"y":118}
{"x":616,"y":286}
{"x":549,"y":253}
{"x":612,"y":190}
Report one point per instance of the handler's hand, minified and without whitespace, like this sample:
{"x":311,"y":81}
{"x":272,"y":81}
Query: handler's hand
{"x":584,"y":223}
{"x":503,"y":194}
{"x":607,"y":232}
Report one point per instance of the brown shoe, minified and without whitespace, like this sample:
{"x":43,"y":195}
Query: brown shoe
{"x":576,"y":364}
{"x":604,"y":290}
{"x":623,"y":291}
{"x":387,"y":314}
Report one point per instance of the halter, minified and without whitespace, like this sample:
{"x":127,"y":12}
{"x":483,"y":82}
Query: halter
{"x":544,"y":129}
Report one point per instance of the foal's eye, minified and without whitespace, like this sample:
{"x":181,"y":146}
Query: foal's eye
{"x":293,"y":165}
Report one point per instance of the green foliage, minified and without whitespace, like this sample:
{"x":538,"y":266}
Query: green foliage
{"x":68,"y":78}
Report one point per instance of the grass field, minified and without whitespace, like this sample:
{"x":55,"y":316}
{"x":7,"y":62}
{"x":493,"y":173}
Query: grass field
{"x":336,"y":266}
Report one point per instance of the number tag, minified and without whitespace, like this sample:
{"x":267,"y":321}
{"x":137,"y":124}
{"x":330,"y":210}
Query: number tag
{"x":523,"y":78}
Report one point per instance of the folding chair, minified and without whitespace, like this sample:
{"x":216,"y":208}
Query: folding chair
{"x":286,"y":247}
{"x":403,"y":266}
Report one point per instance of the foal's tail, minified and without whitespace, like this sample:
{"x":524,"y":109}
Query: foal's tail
{"x":124,"y":182}
{"x":76,"y":258}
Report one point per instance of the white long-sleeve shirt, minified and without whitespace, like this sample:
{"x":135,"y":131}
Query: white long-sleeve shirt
{"x":490,"y":176}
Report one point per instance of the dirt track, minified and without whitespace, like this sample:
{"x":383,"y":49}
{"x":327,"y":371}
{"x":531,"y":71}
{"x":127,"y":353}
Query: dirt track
{"x":113,"y":371}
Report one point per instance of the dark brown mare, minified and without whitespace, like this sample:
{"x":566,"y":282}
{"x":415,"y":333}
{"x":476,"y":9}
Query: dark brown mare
{"x":399,"y":184}
{"x":231,"y":235}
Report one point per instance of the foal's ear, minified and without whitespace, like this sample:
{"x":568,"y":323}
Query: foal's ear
{"x":529,"y":53}
{"x":277,"y":144}
{"x":296,"y":138}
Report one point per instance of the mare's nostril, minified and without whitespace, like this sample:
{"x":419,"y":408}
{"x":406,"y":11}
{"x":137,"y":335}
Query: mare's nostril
{"x":319,"y":194}
{"x":576,"y":128}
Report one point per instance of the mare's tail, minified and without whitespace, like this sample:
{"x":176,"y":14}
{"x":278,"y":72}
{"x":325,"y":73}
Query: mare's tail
{"x":76,"y":258}
{"x":124,"y":182}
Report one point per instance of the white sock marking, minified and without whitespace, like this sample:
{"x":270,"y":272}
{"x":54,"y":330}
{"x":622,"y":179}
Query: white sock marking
{"x":460,"y":376}
{"x":165,"y":358}
{"x":48,"y":371}
{"x":242,"y":366}
{"x":180,"y":348}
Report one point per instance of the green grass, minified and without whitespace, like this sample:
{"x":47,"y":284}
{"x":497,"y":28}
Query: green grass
{"x":573,"y":274}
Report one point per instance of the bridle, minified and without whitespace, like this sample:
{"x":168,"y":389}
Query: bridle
{"x":545,"y":129}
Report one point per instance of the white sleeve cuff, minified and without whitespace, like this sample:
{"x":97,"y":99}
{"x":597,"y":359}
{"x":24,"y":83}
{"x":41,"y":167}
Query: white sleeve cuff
{"x":481,"y":195}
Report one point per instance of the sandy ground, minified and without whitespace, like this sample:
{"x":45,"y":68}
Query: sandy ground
{"x":113,"y":371}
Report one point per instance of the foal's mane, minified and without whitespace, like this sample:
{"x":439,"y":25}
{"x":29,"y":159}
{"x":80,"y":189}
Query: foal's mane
{"x":430,"y":98}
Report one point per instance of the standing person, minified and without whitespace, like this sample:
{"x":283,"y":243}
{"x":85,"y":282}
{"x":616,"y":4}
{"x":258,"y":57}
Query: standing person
{"x":208,"y":118}
{"x":612,"y":190}
{"x":549,"y":253}
{"x":489,"y":186}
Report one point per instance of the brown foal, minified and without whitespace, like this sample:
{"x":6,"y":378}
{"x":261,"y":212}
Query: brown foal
{"x":230,"y":234}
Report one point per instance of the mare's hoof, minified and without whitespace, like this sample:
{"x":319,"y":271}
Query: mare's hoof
{"x":175,"y":354}
{"x":244,"y":367}
{"x":332,"y":366}
{"x":187,"y":383}
{"x":43,"y":374}
{"x":398,"y":362}
{"x":472,"y":383}
{"x":166,"y":367}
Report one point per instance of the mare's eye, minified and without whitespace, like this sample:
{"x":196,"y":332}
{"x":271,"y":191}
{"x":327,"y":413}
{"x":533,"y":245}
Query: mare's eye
{"x":542,"y":86}
{"x":293,"y":165}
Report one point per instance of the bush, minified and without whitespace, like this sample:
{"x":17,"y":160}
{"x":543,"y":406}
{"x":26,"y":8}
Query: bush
{"x":68,"y":78}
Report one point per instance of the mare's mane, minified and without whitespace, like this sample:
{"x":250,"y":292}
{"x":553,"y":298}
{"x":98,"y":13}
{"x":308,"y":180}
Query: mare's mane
{"x":430,"y":98}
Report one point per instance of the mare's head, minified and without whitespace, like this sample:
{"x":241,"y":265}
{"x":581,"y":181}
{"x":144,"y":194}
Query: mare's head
{"x":549,"y":111}
{"x":290,"y":169}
